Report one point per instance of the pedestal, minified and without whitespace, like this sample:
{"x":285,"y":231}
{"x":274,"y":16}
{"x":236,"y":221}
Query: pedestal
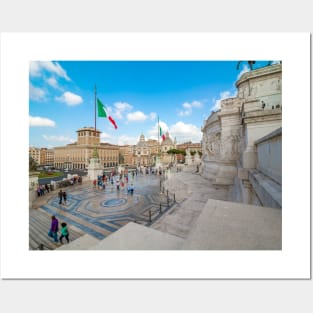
{"x":158,"y":163}
{"x":94,"y":169}
{"x":33,"y":182}
{"x":188,"y":159}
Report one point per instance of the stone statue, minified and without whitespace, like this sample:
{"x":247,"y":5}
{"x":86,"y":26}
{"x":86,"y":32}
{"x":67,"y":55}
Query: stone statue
{"x":249,"y":62}
{"x":95,"y":153}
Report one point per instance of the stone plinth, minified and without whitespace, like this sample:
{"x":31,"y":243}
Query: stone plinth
{"x":188,"y":160}
{"x":197,"y":160}
{"x":33,"y":182}
{"x":158,"y":163}
{"x":94,"y":169}
{"x":226,"y":174}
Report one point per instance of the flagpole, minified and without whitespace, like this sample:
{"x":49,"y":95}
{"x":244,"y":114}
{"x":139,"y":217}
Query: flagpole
{"x":95,"y":111}
{"x":158,"y":136}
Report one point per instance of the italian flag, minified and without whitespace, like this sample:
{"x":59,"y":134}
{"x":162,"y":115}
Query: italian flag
{"x":102,"y":112}
{"x":162,"y":134}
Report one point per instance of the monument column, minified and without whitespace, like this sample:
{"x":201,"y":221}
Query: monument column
{"x":230,"y":121}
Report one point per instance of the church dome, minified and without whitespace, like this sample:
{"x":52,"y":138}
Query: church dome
{"x":142,"y":141}
{"x":168,"y":140}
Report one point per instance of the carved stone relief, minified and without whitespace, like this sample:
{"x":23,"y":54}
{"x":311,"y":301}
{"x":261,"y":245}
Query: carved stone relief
{"x":212,"y":145}
{"x":230,"y":146}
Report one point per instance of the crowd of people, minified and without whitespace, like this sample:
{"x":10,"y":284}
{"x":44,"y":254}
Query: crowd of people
{"x":119,"y":181}
{"x":42,"y":189}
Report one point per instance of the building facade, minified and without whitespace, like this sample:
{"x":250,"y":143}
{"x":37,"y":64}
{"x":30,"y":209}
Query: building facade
{"x":78,"y":154}
{"x":145,"y":151}
{"x":126,"y":153}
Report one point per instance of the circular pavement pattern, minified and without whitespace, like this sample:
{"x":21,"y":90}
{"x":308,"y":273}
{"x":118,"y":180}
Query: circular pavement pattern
{"x":113,"y":202}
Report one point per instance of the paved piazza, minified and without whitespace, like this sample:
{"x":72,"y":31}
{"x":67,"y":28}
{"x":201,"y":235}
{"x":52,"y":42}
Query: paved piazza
{"x":101,"y":212}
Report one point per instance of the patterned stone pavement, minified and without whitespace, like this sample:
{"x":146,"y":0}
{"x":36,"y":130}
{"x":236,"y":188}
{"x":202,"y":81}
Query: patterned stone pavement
{"x":101,"y":212}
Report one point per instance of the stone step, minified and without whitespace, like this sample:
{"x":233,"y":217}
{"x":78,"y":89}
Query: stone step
{"x":224,"y":225}
{"x":85,"y":242}
{"x":268,"y":191}
{"x":138,"y":237}
{"x":39,"y":225}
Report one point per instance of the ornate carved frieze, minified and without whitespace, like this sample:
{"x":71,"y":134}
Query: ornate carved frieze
{"x":212,"y":144}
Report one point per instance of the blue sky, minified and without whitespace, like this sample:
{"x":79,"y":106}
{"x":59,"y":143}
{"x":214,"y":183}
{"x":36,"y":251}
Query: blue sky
{"x":181,"y":93}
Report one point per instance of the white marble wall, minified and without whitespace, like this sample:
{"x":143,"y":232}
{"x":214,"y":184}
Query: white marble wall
{"x":230,"y":134}
{"x":269,"y":155}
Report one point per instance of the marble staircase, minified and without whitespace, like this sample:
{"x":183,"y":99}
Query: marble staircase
{"x":39,"y":225}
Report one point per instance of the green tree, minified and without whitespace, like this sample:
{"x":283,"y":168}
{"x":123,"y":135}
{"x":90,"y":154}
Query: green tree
{"x":32,"y":164}
{"x":176,"y":151}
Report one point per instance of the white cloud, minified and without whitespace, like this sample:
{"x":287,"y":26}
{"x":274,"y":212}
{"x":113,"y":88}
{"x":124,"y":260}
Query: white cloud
{"x":35,"y":121}
{"x":185,"y":132}
{"x":184,"y":113}
{"x":36,"y":93}
{"x":153,"y":132}
{"x":120,"y":108}
{"x":53,"y":82}
{"x":152,"y":116}
{"x":127,"y":140}
{"x":245,"y":69}
{"x":136,"y":116}
{"x":188,"y":107}
{"x":70,"y":98}
{"x":104,"y":136}
{"x":223,"y":95}
{"x":58,"y":138}
{"x":36,"y":68}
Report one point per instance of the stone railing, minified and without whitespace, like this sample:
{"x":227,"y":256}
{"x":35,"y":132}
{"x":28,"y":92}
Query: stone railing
{"x":269,"y":155}
{"x":266,"y":179}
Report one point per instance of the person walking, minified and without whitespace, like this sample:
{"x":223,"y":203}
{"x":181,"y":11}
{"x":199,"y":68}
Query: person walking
{"x":54,"y":228}
{"x":60,"y":196}
{"x":64,"y":197}
{"x":64,"y":233}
